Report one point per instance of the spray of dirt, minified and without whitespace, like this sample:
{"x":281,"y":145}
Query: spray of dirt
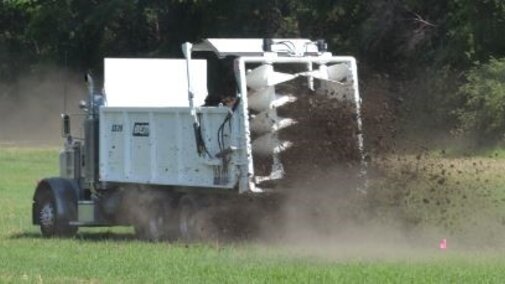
{"x":415,"y":196}
{"x":31,"y":107}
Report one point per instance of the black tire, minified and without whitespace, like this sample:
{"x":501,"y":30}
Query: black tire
{"x":51,"y":225}
{"x":195,"y":220}
{"x":150,"y":229}
{"x":155,"y":219}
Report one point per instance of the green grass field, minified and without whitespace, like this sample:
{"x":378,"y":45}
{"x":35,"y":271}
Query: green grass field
{"x":106,"y":255}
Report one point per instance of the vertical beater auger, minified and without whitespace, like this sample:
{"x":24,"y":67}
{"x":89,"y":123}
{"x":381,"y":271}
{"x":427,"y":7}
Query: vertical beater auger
{"x":335,"y":78}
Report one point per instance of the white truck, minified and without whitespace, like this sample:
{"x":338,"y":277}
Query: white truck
{"x":159,"y":148}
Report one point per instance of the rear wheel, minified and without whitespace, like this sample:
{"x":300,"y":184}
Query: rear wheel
{"x":155,"y":218}
{"x":195,"y":220}
{"x":50,"y":224}
{"x":150,"y":229}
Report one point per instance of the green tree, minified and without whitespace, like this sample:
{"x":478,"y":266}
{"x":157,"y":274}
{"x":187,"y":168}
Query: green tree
{"x":483,"y":110}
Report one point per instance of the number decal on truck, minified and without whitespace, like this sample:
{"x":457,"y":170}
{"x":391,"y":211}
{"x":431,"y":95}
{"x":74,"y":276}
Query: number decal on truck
{"x":141,"y":129}
{"x":117,"y":128}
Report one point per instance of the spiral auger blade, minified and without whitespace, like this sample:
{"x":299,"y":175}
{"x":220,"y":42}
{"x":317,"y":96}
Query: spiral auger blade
{"x":265,"y":123}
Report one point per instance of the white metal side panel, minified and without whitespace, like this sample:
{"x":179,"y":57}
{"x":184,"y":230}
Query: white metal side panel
{"x":168,"y":133}
{"x":113,"y":139}
{"x":140,"y":146}
{"x":157,"y":146}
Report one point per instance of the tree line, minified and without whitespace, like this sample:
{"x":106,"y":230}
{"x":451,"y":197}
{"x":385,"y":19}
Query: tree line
{"x":403,"y":38}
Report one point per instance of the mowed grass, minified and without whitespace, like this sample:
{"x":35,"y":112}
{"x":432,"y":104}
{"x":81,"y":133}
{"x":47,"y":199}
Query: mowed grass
{"x":112,"y":255}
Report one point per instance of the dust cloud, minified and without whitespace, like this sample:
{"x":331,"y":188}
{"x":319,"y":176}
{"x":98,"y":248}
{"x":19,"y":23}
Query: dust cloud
{"x":416,"y":195}
{"x":400,"y":217}
{"x":31,"y":107}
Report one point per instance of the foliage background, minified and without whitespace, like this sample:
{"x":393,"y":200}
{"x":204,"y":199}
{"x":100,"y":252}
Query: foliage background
{"x":424,"y":49}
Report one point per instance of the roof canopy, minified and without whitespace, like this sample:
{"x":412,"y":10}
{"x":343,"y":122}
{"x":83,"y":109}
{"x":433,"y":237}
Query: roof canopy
{"x":254,"y":46}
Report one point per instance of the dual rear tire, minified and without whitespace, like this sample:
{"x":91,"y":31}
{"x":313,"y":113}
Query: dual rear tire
{"x":187,"y":220}
{"x":196,"y":220}
{"x":155,"y":222}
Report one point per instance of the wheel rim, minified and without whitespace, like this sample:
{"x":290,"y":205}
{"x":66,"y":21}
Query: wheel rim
{"x":155,"y":227}
{"x":47,"y":216}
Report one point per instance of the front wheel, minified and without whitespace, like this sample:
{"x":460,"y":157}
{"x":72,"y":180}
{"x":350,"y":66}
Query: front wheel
{"x":50,"y":224}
